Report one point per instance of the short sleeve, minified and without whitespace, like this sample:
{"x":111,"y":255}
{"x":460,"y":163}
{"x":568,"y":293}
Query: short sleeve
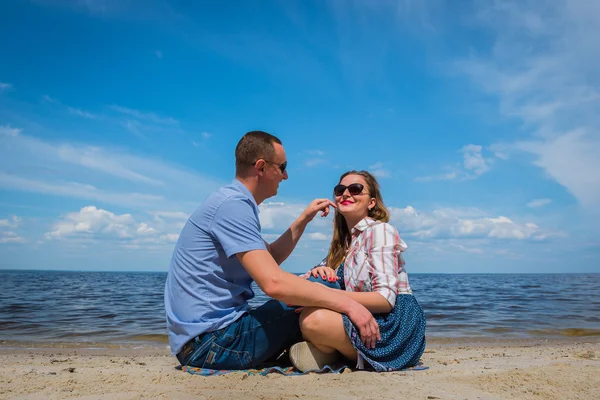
{"x":385,"y":260}
{"x":236,"y":227}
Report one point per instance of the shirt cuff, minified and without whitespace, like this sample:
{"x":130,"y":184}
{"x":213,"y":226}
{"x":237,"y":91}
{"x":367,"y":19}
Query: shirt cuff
{"x":245,"y":247}
{"x":389,"y":295}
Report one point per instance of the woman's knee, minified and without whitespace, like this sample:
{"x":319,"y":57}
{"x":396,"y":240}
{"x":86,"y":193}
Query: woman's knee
{"x":316,"y":320}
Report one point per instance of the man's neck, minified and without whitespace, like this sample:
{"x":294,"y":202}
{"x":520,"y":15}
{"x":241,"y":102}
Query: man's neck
{"x":251,"y":183}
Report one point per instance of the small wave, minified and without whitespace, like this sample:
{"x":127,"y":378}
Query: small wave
{"x":453,"y":326}
{"x":89,"y":335}
{"x":499,"y":329}
{"x":151,"y":337}
{"x":107,"y":316}
{"x":14,"y":308}
{"x":572,"y":332}
{"x":435,"y":316}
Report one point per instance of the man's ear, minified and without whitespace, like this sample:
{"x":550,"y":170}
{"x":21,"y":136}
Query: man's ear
{"x":260,"y":166}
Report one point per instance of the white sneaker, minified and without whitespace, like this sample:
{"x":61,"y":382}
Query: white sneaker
{"x":305,"y":357}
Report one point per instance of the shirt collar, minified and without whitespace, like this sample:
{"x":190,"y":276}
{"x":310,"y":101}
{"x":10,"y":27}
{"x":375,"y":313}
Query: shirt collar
{"x":363,"y":224}
{"x":242,"y":188}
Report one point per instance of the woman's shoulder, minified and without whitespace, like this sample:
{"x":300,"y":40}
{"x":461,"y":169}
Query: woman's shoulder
{"x":384,"y":231}
{"x":380,"y":226}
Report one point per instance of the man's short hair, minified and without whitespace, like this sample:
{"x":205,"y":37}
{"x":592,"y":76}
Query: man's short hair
{"x":253,"y":146}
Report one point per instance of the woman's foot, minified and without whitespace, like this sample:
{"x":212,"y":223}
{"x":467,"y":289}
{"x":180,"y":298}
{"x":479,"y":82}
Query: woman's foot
{"x":306,"y":357}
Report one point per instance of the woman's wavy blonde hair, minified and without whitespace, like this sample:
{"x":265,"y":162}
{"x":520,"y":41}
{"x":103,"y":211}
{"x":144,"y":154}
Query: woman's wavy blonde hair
{"x":341,"y":234}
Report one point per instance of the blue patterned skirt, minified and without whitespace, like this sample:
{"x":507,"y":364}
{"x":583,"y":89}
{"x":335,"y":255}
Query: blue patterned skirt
{"x":402,"y":334}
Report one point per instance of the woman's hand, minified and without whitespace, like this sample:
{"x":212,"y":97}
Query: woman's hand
{"x":326,"y":273}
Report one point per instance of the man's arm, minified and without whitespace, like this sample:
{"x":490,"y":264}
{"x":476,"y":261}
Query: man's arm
{"x":281,"y":248}
{"x":292,"y":289}
{"x":285,"y":244}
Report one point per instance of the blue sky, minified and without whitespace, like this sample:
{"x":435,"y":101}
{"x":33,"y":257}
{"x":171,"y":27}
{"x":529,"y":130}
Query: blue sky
{"x":117,"y":118}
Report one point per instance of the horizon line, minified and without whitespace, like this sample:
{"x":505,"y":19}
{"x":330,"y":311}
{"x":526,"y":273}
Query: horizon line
{"x":412,"y":273}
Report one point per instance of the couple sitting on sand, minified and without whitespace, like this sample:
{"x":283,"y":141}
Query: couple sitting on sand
{"x":356,"y":304}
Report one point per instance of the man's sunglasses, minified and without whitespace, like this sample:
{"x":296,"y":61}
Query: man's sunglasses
{"x":354,"y":189}
{"x":282,"y":166}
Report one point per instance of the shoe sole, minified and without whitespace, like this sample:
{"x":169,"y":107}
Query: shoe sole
{"x":306,"y":357}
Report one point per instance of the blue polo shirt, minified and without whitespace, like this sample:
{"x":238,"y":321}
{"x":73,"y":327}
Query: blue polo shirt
{"x":207,"y":287}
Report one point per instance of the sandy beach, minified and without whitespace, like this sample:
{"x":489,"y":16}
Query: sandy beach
{"x":457,"y":370}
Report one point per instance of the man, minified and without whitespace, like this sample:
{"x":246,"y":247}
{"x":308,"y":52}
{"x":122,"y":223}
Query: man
{"x":220,"y":252}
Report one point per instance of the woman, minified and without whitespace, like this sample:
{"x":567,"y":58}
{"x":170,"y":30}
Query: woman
{"x":365,"y":257}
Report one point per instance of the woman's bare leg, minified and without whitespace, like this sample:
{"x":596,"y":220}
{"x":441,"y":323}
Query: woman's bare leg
{"x":325,"y":330}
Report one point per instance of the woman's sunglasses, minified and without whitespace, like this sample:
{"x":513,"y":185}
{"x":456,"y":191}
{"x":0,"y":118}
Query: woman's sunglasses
{"x":354,"y":189}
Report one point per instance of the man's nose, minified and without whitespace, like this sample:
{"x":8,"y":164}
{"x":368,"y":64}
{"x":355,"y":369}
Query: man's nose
{"x":285,"y":175}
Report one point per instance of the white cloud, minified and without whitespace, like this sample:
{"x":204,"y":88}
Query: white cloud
{"x":500,"y":150}
{"x":73,"y":110}
{"x":176,"y":215}
{"x":474,"y":165}
{"x":539,"y":203}
{"x":11,"y":222}
{"x":472,"y":250}
{"x":50,"y":99}
{"x":317,"y":236}
{"x":5,"y":86}
{"x":92,"y":224}
{"x":317,"y":158}
{"x":473,"y":159}
{"x":206,"y":135}
{"x":78,"y":190}
{"x":379,"y":171}
{"x":158,"y":11}
{"x":270,"y":236}
{"x":572,"y":160}
{"x":11,"y":237}
{"x":98,"y":174}
{"x":169,"y":220}
{"x":544,"y":68}
{"x":9,"y":131}
{"x":81,"y":113}
{"x":169,"y":237}
{"x":91,"y":220}
{"x":96,"y":159}
{"x":452,"y":224}
{"x":313,"y":162}
{"x":276,"y":217}
{"x":442,"y":177}
{"x":134,"y":127}
{"x":444,"y":223}
{"x":7,"y":236}
{"x":146,"y":116}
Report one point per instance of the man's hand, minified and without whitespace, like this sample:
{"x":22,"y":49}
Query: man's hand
{"x":366,"y":324}
{"x":317,"y":205}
